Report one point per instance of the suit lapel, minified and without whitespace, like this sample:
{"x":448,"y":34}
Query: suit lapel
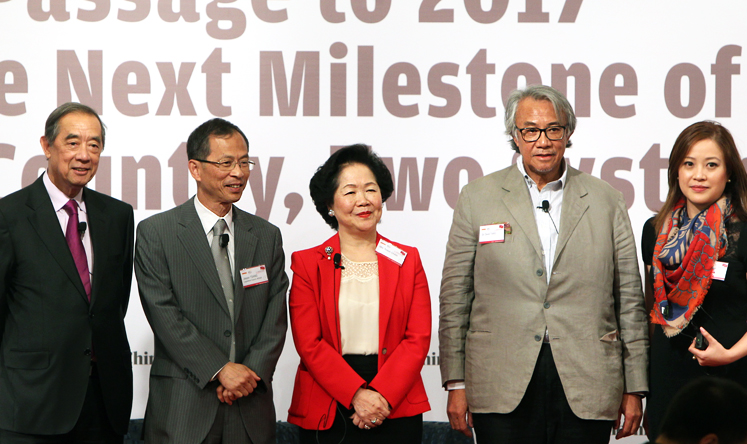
{"x":44,"y":220}
{"x":245,"y":244}
{"x":329,"y":286}
{"x":388,"y":280}
{"x":194,"y":240}
{"x":573,"y":209}
{"x":519,"y":204}
{"x":97,"y":223}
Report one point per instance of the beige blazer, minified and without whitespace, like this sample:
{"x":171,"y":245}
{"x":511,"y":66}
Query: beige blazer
{"x":495,"y":300}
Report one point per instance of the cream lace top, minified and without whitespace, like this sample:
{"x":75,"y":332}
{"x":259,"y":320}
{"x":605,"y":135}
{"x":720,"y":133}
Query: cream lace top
{"x":359,"y":307}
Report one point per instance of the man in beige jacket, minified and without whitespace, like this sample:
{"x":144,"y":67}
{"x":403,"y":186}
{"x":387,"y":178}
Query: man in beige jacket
{"x":542,"y":330}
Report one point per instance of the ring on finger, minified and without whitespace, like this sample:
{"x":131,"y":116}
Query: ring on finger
{"x":367,"y":427}
{"x":373,"y":421}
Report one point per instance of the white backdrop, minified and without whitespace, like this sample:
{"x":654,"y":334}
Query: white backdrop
{"x":421,"y":81}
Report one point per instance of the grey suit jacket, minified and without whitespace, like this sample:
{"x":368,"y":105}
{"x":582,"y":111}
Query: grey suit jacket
{"x":495,"y":300}
{"x":185,"y":305}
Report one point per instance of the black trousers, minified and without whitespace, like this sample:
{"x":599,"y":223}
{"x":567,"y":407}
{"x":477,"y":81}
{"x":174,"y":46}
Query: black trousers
{"x":92,"y":427}
{"x":543,"y":415}
{"x":407,"y":430}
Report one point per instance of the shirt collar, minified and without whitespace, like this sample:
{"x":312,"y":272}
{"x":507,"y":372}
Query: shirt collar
{"x":59,"y":199}
{"x":208,"y":218}
{"x":554,"y":185}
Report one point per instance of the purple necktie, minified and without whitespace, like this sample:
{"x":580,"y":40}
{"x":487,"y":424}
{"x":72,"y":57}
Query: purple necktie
{"x":73,"y":238}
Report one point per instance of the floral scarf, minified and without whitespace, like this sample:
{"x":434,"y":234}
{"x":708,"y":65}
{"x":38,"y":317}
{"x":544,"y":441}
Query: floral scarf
{"x":683,"y":259}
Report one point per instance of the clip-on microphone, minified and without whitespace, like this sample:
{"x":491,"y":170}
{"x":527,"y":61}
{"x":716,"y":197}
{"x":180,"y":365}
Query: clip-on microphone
{"x":546,"y":208}
{"x":337,"y":259}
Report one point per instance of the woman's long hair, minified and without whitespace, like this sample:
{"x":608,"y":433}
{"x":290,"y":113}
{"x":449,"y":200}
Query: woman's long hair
{"x":736,"y":187}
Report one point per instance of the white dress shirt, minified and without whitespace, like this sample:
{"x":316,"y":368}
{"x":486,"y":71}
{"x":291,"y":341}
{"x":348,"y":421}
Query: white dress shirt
{"x":548,"y":223}
{"x":208,"y":220}
{"x":59,"y":199}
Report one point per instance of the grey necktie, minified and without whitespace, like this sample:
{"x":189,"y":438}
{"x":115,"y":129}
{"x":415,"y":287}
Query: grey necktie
{"x":220,"y":255}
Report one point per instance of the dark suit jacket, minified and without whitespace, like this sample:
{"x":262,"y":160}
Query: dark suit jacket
{"x":404,"y":336}
{"x":48,"y":323}
{"x":185,"y":305}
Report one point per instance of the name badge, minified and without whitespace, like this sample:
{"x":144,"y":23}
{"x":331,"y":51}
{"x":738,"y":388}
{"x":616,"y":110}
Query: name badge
{"x":719,"y":270}
{"x":391,"y":252}
{"x":254,"y":276}
{"x":492,"y":233}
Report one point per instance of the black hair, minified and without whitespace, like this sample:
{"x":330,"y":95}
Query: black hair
{"x":325,"y":181}
{"x":198,"y":144}
{"x":707,"y":405}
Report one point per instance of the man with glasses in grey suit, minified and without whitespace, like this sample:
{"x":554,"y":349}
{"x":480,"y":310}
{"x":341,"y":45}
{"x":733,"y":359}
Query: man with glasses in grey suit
{"x":212,"y":282}
{"x":543,"y":331}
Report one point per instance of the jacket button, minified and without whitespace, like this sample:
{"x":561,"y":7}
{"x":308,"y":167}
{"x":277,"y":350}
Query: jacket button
{"x":537,"y":338}
{"x":227,"y":333}
{"x":90,"y":315}
{"x":539,"y":272}
{"x":546,"y":305}
{"x":383,"y":352}
{"x":87,"y":352}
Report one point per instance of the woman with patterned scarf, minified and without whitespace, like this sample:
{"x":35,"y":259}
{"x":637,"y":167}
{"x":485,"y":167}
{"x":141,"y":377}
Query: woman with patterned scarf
{"x":695,"y":251}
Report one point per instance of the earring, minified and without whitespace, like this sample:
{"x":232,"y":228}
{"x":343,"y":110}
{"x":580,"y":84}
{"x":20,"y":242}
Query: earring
{"x":331,"y":212}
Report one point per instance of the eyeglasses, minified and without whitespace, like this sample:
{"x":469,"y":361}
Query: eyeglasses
{"x":531,"y":134}
{"x":228,"y":165}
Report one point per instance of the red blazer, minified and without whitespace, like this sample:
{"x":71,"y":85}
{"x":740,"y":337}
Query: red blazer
{"x":404,"y":337}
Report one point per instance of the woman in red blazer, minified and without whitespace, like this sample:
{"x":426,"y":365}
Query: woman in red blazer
{"x":360,"y":315}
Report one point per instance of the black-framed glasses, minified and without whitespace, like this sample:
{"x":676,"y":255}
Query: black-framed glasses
{"x":532,"y":134}
{"x":228,"y":165}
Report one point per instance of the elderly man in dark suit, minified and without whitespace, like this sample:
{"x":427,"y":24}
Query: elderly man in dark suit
{"x":65,"y":275}
{"x":543,"y":330}
{"x":213,"y":285}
